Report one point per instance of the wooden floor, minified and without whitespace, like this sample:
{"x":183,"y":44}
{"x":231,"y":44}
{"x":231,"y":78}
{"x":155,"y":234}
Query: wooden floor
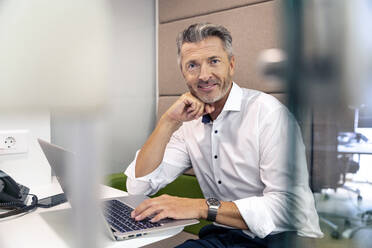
{"x":344,"y":203}
{"x":173,"y":241}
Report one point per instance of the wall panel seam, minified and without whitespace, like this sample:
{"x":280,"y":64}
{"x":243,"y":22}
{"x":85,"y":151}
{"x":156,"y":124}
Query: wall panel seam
{"x":170,"y":95}
{"x":213,"y":12}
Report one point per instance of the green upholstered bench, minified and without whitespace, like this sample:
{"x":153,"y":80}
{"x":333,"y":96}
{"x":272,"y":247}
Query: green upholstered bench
{"x":183,"y":186}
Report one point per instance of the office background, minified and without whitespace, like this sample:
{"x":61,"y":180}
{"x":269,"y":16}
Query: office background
{"x":138,"y":32}
{"x":130,"y":115}
{"x":144,"y":80}
{"x":130,"y":112}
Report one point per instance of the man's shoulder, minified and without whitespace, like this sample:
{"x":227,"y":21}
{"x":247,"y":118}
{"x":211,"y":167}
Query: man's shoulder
{"x":263,"y":106}
{"x":256,"y":97}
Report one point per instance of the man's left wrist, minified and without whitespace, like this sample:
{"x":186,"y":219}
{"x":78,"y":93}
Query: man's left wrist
{"x":203,"y":209}
{"x":213,"y":205}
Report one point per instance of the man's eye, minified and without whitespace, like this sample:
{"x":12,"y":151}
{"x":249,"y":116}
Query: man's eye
{"x":214,"y":61}
{"x":191,"y":66}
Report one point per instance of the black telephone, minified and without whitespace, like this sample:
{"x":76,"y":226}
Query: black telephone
{"x":14,"y":196}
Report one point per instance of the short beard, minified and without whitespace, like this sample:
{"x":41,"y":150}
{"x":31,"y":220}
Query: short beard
{"x":210,"y":100}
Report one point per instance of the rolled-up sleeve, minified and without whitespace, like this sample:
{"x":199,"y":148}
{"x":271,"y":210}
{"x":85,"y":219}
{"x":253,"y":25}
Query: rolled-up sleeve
{"x":175,"y":161}
{"x":139,"y":185}
{"x":287,"y":200}
{"x":255,"y":214}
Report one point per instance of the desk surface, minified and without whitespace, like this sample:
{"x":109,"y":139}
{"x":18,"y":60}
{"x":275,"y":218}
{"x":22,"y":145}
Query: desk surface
{"x":356,"y":148}
{"x":47,"y":227}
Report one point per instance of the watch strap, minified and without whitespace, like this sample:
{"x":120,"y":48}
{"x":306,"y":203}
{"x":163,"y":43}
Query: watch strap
{"x":212,"y":213}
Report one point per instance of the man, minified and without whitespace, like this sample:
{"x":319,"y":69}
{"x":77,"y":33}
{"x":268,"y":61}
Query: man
{"x":236,"y":140}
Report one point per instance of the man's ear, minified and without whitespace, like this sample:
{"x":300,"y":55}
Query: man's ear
{"x":232,"y":65}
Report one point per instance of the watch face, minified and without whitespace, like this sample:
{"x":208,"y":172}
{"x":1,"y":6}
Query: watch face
{"x":213,"y":202}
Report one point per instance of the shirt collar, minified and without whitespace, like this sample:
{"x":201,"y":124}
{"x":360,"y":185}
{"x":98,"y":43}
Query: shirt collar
{"x":233,"y":102}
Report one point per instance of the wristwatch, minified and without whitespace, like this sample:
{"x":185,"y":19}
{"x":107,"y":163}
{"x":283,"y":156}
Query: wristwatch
{"x":213,"y":205}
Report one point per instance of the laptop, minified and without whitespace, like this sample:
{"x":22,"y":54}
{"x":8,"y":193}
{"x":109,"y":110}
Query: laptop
{"x":116,"y":211}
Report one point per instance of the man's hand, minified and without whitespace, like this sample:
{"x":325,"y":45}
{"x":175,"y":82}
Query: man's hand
{"x":166,"y":206}
{"x":187,"y":108}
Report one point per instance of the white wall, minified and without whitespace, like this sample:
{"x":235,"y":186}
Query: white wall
{"x":130,"y":114}
{"x":30,"y":169}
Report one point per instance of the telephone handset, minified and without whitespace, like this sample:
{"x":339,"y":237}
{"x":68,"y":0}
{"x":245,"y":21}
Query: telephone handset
{"x":14,"y":195}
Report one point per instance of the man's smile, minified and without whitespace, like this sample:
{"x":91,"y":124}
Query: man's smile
{"x":207,"y":87}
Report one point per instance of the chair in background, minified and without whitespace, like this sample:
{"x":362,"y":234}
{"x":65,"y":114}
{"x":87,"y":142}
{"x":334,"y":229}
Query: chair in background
{"x":349,"y":138}
{"x":328,"y":167}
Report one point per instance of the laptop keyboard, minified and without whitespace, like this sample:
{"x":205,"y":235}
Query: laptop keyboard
{"x":118,"y":215}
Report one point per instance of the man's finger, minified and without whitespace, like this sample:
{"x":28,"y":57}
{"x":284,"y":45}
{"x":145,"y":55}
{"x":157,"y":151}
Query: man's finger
{"x":196,"y":110}
{"x":188,"y":101}
{"x":190,"y":116}
{"x":142,"y":207}
{"x":208,"y":109}
{"x":159,"y":216}
{"x":148,"y":212}
{"x":200,"y":112}
{"x":191,"y":107}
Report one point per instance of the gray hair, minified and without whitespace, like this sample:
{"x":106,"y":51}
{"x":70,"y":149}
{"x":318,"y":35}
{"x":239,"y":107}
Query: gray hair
{"x":200,"y":31}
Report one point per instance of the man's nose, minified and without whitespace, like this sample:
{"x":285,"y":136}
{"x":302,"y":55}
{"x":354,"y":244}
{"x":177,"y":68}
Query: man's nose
{"x":205,"y":73}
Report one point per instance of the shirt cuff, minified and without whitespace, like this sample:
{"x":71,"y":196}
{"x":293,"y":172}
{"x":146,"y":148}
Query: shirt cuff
{"x":139,"y":185}
{"x":256,"y":215}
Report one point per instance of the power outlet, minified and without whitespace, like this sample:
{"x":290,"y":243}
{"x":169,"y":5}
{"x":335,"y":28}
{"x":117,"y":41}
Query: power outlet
{"x":14,"y":141}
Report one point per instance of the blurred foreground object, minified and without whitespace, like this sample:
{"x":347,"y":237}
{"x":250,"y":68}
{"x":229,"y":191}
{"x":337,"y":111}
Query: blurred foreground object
{"x":327,"y":52}
{"x":326,"y":63}
{"x":53,"y":54}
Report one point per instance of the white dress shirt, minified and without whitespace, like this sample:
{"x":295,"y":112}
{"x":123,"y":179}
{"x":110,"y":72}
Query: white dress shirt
{"x":242,"y":157}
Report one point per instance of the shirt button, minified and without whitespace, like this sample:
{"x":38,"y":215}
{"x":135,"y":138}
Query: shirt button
{"x":215,"y":156}
{"x":215,"y":131}
{"x":219,"y":182}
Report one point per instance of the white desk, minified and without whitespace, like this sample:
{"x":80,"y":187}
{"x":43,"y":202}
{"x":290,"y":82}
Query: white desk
{"x":355,"y":148}
{"x":47,"y":227}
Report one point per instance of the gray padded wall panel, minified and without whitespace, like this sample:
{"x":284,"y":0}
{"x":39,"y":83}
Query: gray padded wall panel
{"x":254,"y":28}
{"x":171,"y":10}
{"x":164,"y":103}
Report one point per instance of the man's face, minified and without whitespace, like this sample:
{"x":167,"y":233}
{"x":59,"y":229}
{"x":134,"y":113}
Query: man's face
{"x":207,"y":69}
